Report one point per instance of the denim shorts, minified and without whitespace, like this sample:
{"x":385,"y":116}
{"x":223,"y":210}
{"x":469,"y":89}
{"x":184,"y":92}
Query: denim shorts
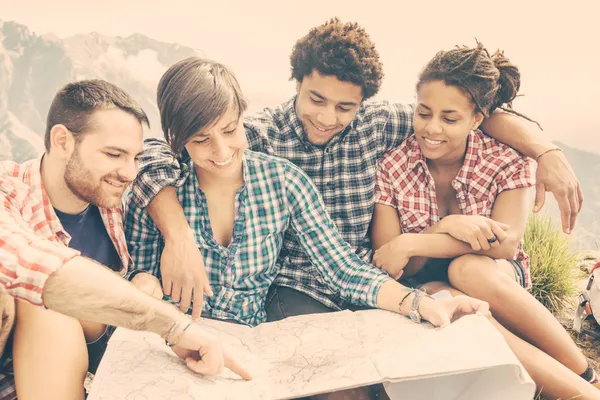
{"x":436,"y":270}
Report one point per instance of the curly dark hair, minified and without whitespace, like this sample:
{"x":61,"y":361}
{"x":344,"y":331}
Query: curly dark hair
{"x":340,"y":49}
{"x":492,"y":81}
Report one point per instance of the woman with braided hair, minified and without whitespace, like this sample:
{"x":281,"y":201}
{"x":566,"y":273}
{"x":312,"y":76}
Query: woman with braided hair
{"x":451,"y":208}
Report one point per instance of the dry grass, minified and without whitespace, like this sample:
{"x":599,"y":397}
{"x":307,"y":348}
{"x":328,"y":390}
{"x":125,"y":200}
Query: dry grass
{"x":553,"y":264}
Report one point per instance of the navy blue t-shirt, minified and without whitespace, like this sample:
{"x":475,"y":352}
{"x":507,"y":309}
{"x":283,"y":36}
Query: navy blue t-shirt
{"x":89,"y":236}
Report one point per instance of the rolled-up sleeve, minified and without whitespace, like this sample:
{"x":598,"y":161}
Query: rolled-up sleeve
{"x":344,"y":272}
{"x":159,"y":168}
{"x":144,"y":241}
{"x":384,"y":192}
{"x":399,"y":125}
{"x":26,"y":259}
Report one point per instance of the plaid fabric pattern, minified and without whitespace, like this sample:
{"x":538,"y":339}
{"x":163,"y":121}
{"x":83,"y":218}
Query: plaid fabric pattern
{"x":33,"y":243}
{"x":343,"y":172}
{"x":489,"y":168}
{"x":276,"y":197}
{"x":7,"y":387}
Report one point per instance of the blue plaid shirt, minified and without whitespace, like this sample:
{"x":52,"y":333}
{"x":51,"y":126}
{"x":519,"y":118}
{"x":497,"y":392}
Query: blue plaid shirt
{"x":277,"y":197}
{"x":343,"y":172}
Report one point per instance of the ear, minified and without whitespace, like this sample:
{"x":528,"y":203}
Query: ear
{"x":298,"y":85}
{"x":477,"y":121}
{"x":62,"y":142}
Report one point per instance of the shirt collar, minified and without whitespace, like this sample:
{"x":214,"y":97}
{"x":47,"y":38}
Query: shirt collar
{"x":471,"y":160}
{"x":416,"y":157}
{"x":32,"y":176}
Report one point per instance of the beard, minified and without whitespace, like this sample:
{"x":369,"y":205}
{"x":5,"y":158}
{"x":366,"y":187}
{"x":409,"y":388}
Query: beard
{"x":82,"y":184}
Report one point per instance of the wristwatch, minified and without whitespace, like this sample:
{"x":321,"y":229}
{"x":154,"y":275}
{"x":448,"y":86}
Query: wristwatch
{"x":414,"y":313}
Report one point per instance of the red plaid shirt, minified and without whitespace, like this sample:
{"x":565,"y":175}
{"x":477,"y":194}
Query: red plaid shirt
{"x":33,"y":242}
{"x":489,"y":168}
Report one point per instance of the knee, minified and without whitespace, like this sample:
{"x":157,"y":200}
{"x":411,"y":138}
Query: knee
{"x":148,"y":284}
{"x":463,"y":270}
{"x":472,"y":271}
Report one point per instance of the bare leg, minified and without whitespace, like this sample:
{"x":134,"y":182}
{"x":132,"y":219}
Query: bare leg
{"x":551,"y":377}
{"x":514,"y":307}
{"x":49,"y":354}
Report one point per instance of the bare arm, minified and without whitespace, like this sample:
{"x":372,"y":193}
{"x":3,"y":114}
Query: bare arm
{"x":182,"y":265}
{"x":554,"y":173}
{"x":510,"y":208}
{"x":386,"y":227}
{"x":512,"y":131}
{"x":89,"y":291}
{"x":167,"y":213}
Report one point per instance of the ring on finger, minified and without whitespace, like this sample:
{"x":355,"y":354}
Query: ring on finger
{"x":493,"y":239}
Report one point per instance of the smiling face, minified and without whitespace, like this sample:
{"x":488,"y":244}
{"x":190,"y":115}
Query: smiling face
{"x":104,"y":160}
{"x":326,"y":106}
{"x":443,"y":119}
{"x":218,"y":149}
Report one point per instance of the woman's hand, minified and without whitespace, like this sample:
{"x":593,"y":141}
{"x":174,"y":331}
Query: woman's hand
{"x":443,"y":312}
{"x":479,"y":232}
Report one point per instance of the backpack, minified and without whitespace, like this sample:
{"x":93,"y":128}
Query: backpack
{"x":589,"y":302}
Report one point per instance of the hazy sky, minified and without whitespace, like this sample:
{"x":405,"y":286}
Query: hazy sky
{"x":557,"y":48}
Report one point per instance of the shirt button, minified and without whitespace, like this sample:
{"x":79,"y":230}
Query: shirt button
{"x":228,"y":295}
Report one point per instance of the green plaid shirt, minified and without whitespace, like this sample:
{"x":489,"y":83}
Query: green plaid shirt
{"x":276,"y":197}
{"x":343,"y":172}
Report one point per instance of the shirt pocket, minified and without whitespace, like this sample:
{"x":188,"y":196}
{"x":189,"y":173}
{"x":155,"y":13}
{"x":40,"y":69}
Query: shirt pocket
{"x":413,"y":221}
{"x":478,"y":202}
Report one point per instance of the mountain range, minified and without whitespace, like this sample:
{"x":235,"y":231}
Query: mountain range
{"x":33,"y":67}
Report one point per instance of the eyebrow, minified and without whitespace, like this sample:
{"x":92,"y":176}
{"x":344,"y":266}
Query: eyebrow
{"x":342,"y":103}
{"x":121,"y":150}
{"x":115,"y":148}
{"x":232,"y":122}
{"x":444,"y":111}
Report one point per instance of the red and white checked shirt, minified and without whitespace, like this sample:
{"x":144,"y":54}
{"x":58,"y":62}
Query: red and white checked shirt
{"x":33,"y":242}
{"x":490,"y":167}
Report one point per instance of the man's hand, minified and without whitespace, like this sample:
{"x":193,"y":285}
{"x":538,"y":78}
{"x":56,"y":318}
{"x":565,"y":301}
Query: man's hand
{"x":474,"y":230}
{"x":392,"y":257}
{"x":183,"y":273}
{"x":203,"y":353}
{"x":443,"y":312}
{"x":554,"y":174}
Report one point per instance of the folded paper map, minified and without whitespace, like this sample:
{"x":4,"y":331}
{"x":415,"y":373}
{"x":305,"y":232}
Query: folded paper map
{"x":320,"y":353}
